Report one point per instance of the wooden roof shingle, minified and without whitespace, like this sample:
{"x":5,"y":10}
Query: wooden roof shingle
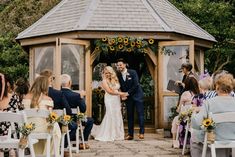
{"x":115,"y":15}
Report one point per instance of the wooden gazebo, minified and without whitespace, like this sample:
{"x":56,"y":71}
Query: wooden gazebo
{"x":63,"y":40}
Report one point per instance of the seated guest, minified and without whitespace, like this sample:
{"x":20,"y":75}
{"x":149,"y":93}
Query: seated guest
{"x":223,"y":102}
{"x":21,"y":88}
{"x":185,"y":103}
{"x":37,"y":98}
{"x":76,"y":100}
{"x":57,"y":96}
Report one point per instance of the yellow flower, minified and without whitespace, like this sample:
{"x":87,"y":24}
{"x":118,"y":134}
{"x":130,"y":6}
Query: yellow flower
{"x":207,"y":122}
{"x":111,"y":48}
{"x":132,"y":44}
{"x":120,"y":39}
{"x":138,"y":46}
{"x":126,"y":40}
{"x":53,"y":116}
{"x":138,"y":42}
{"x":129,"y":50}
{"x":113,"y":41}
{"x":120,"y":47}
{"x":151,"y":41}
{"x":29,"y":126}
{"x":104,"y":39}
{"x":67,"y":118}
{"x":97,"y":48}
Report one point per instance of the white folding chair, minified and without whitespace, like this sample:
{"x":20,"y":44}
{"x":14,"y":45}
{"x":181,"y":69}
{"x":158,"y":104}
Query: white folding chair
{"x":227,"y":117}
{"x":60,"y":112}
{"x":32,"y":113}
{"x":79,"y":129}
{"x":7,"y":141}
{"x":184,"y":108}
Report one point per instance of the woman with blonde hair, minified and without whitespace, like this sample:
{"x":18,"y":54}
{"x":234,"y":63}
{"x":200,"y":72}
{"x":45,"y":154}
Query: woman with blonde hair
{"x":37,"y":98}
{"x":111,"y":127}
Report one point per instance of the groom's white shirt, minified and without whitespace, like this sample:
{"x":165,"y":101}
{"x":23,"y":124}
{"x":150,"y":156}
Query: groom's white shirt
{"x":124,"y":73}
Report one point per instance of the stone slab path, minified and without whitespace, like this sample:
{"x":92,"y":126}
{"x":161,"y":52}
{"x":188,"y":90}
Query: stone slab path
{"x":152,"y":146}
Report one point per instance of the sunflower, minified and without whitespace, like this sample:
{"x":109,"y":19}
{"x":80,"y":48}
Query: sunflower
{"x":207,"y":122}
{"x":111,"y":48}
{"x":110,"y":42}
{"x":151,"y":41}
{"x":104,"y":39}
{"x":29,"y":126}
{"x":126,"y":40}
{"x":97,"y":48}
{"x":120,"y":39}
{"x":132,"y":44}
{"x":67,"y":118}
{"x":129,"y":50}
{"x":53,"y":116}
{"x":113,"y":40}
{"x":138,"y":46}
{"x":138,"y":42}
{"x":120,"y":46}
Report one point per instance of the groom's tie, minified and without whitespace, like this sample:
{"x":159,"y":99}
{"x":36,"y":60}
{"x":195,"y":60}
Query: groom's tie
{"x":124,"y":76}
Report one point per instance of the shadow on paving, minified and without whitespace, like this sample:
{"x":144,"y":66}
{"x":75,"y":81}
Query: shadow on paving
{"x":152,"y":146}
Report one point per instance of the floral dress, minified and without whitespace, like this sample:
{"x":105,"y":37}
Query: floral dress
{"x":13,"y":105}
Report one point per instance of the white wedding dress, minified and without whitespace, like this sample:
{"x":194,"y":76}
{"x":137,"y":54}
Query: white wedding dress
{"x":111,"y":127}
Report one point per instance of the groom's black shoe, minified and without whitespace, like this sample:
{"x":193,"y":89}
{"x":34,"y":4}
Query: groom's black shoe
{"x":129,"y":137}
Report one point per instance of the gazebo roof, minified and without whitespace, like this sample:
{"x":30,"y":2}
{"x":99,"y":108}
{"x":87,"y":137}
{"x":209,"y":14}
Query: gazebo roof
{"x":115,"y":15}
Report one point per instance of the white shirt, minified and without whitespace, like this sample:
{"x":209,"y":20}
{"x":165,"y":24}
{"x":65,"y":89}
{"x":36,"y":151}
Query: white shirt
{"x":124,"y":73}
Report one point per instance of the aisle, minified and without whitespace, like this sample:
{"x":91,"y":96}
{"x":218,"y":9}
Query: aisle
{"x":152,"y":146}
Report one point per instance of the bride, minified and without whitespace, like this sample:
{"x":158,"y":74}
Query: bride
{"x":111,"y":127}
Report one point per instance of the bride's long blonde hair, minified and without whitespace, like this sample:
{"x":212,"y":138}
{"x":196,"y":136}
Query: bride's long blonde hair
{"x":113,"y":79}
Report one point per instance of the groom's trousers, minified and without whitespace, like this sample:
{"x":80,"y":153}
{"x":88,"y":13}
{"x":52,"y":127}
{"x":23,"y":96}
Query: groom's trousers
{"x":131,"y":105}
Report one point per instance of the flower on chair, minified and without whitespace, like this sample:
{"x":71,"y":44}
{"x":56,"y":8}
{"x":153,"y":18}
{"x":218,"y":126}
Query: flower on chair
{"x":65,"y":119}
{"x":208,"y":124}
{"x":52,"y":118}
{"x":82,"y":117}
{"x":26,"y":129}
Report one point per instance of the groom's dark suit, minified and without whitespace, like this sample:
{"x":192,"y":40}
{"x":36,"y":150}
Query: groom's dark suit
{"x":131,"y":85}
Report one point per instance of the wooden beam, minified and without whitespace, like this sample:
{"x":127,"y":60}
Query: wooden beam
{"x":88,"y":82}
{"x":94,"y":55}
{"x":31,"y":65}
{"x":150,"y":66}
{"x":152,"y":56}
{"x":57,"y":64}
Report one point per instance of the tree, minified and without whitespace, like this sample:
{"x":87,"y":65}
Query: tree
{"x":217,"y":18}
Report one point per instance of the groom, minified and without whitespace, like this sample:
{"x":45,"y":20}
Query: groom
{"x":129,"y":81}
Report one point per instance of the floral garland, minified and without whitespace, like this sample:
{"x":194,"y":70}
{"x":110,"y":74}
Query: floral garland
{"x":123,"y":44}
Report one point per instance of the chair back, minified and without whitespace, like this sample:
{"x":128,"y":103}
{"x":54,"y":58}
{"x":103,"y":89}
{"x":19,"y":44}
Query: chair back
{"x":226,"y":117}
{"x":36,"y":113}
{"x":75,"y":110}
{"x":59,"y":112}
{"x":12,"y":117}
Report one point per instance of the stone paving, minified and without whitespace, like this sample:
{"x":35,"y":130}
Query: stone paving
{"x":152,"y":146}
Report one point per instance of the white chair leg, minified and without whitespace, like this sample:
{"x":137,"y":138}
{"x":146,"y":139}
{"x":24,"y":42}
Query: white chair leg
{"x":48,"y":145}
{"x":233,"y":152}
{"x":69,"y":144}
{"x":62,"y":145}
{"x":77,"y":140}
{"x":83,"y":142}
{"x":185,"y":138}
{"x":204,"y":146}
{"x":213,"y":154}
{"x":21,"y":152}
{"x":32,"y":153}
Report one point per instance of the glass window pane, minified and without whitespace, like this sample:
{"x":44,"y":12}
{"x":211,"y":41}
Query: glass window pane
{"x":44,"y":59}
{"x":172,"y":63}
{"x":73,"y":64}
{"x":169,"y":102}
